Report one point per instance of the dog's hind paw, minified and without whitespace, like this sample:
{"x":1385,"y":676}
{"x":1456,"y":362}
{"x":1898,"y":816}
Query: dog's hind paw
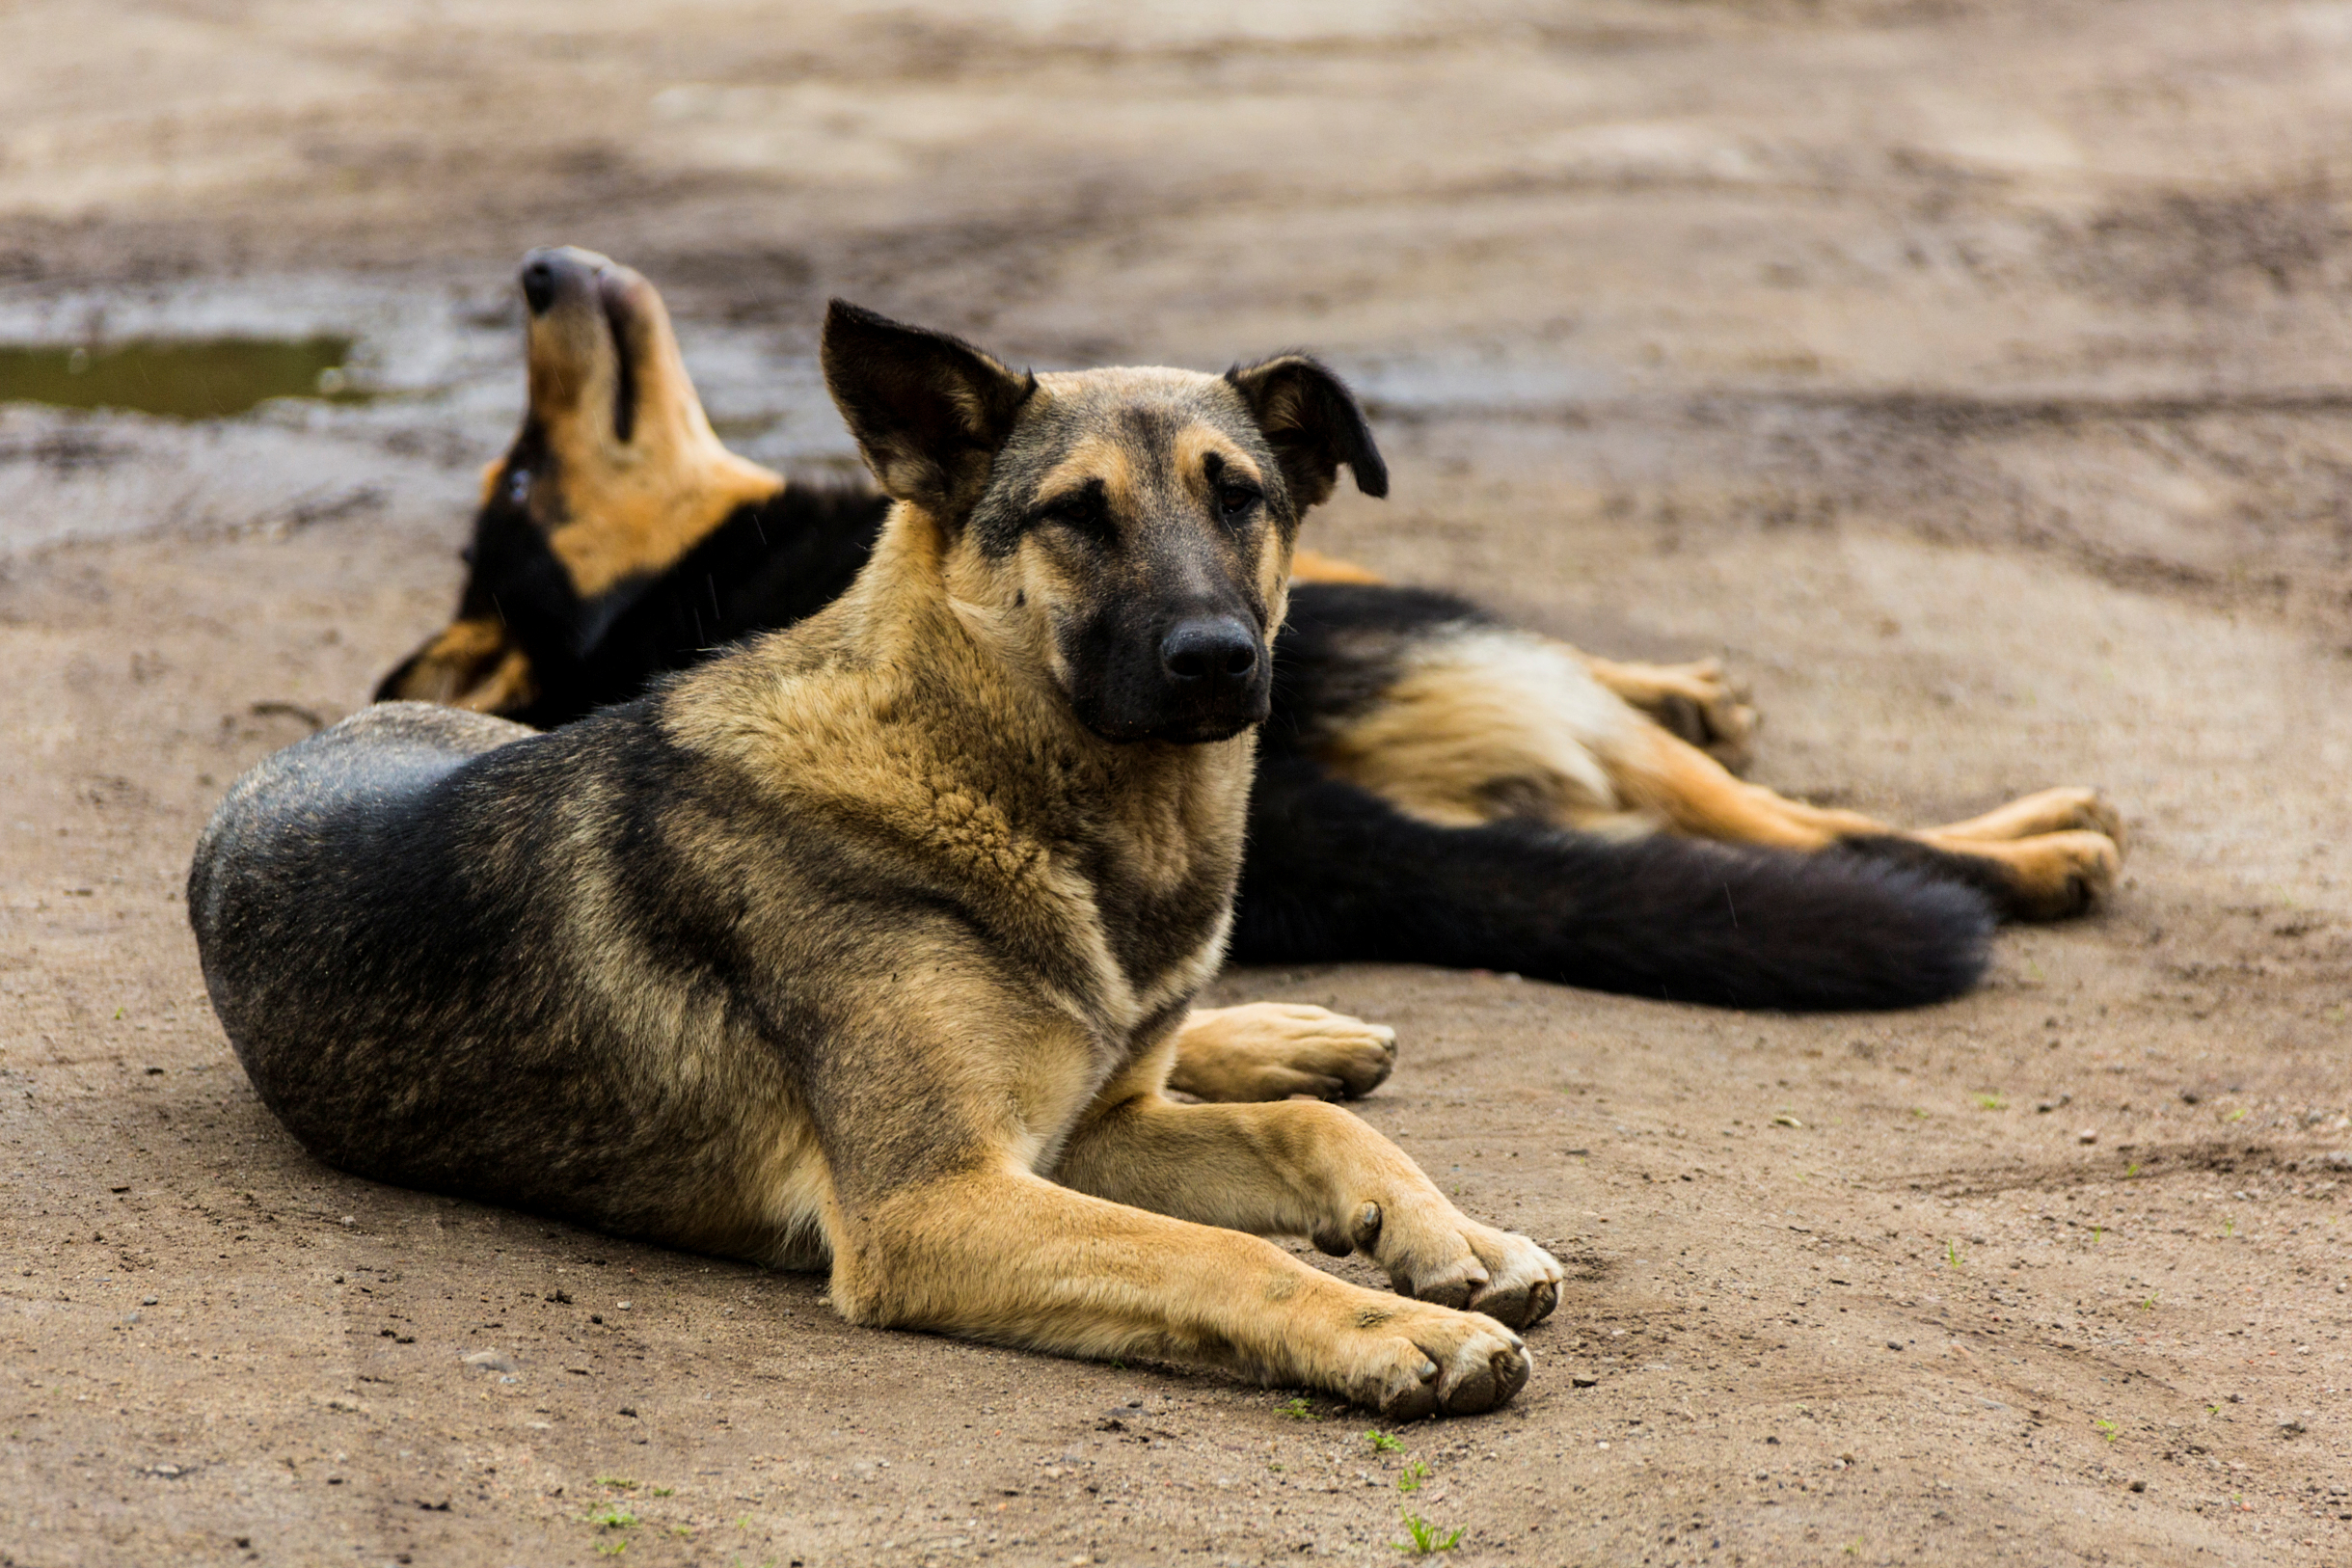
{"x":2045,"y":876}
{"x":2064,"y":875}
{"x":1273,"y":1050}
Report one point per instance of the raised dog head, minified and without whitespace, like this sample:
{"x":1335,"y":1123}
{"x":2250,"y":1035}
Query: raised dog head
{"x":1124,"y":533}
{"x":615,"y":476}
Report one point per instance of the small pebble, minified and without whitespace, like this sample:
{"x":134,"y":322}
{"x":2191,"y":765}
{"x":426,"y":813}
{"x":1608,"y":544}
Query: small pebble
{"x":2089,"y":1135}
{"x":150,"y":1301}
{"x":490,"y":1361}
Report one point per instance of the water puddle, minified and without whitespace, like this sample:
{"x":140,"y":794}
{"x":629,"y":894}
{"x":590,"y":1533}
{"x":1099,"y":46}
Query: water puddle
{"x":184,"y":378}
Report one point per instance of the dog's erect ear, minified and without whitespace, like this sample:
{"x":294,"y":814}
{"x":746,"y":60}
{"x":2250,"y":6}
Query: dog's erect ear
{"x":1311,"y":420}
{"x":929,"y":411}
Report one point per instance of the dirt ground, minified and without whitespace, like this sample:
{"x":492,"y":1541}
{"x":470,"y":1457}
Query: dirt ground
{"x":1971,"y":376}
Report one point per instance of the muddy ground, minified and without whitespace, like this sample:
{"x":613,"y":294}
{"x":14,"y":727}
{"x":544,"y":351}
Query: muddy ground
{"x":1973,"y":377}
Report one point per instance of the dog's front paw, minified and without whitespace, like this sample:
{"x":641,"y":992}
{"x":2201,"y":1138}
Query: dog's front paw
{"x":1702,"y":705}
{"x":1414,"y":1361}
{"x":1273,"y":1050}
{"x":1442,"y":1257}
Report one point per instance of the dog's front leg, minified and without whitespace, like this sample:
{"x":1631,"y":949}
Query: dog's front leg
{"x":1695,"y":702}
{"x":997,"y":1253}
{"x":1303,"y":1169}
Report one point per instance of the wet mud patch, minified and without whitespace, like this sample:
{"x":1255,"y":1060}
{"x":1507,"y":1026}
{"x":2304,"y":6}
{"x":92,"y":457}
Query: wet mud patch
{"x":199,"y":379}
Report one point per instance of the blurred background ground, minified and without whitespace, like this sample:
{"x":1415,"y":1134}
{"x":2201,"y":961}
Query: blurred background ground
{"x":1971,"y":376}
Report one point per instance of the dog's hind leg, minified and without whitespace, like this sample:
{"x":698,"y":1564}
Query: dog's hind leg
{"x":2062,"y":810}
{"x":1273,"y":1050}
{"x":2046,"y":874}
{"x":1695,"y":702}
{"x":2047,"y":877}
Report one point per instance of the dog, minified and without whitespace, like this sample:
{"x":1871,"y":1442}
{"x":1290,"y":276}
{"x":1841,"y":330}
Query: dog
{"x":864,"y":946}
{"x":1434,"y":785}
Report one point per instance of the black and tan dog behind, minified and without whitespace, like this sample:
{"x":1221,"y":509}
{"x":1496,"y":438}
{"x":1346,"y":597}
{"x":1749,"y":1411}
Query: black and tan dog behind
{"x":865,"y":947}
{"x":1434,"y":784}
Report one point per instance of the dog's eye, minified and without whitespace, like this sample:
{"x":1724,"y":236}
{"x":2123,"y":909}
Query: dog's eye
{"x":1236,"y":498}
{"x":1082,"y":513}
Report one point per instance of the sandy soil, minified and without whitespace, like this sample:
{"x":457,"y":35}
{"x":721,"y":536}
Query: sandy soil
{"x":1971,"y":375}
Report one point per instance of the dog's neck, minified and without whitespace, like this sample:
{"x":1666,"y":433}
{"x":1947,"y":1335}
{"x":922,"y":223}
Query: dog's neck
{"x":895,"y":715}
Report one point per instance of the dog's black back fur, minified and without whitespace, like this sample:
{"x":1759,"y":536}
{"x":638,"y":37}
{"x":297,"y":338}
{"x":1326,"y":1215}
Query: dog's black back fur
{"x":770,"y":564}
{"x":432,"y":838}
{"x":1334,"y":872}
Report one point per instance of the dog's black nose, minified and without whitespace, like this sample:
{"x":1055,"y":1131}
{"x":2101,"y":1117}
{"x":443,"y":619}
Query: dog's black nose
{"x":1210,"y":652}
{"x":538,"y":284}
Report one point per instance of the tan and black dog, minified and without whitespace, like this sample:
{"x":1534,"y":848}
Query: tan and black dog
{"x":617,"y":492}
{"x":864,"y":947}
{"x":1434,"y":785}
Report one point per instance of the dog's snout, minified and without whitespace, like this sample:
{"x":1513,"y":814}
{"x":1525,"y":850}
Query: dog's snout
{"x":554,"y":273}
{"x":1210,"y":652}
{"x":538,"y":284}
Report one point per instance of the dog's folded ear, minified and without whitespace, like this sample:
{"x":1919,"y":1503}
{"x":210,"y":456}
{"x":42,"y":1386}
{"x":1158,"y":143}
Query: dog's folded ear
{"x":1311,"y":420}
{"x":930,"y":412}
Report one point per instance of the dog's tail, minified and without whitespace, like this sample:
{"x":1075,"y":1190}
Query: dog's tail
{"x":1336,"y":873}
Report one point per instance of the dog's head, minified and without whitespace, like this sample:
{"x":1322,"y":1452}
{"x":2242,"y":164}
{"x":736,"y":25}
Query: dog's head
{"x":616,"y":475}
{"x":1128,"y":531}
